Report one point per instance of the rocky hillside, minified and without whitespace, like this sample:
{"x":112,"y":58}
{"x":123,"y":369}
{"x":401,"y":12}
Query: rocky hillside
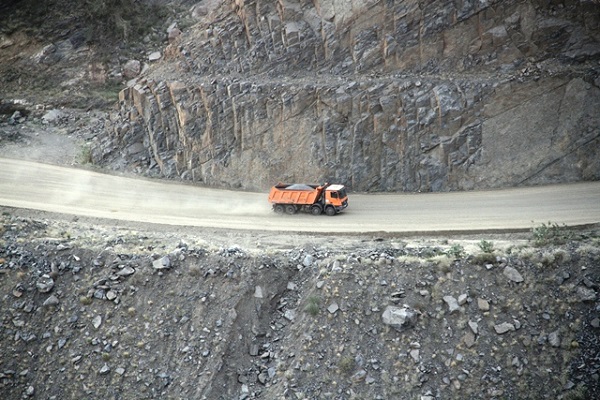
{"x":379,"y":95}
{"x":121,"y":312}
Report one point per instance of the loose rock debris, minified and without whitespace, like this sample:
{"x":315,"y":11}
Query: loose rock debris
{"x":125,"y":313}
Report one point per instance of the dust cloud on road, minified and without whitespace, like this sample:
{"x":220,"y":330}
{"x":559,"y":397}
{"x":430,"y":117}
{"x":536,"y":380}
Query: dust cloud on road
{"x":32,"y":185}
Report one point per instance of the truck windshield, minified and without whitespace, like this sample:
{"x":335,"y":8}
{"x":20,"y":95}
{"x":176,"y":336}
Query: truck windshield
{"x":342,"y":193}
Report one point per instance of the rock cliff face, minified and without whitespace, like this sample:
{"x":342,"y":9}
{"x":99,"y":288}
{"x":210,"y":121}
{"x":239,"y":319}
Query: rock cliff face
{"x":379,"y":95}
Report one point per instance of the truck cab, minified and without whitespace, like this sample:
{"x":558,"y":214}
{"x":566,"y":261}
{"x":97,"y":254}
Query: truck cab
{"x":335,"y":196}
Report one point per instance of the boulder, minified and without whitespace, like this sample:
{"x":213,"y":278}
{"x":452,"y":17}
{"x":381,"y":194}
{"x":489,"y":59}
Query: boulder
{"x":131,"y":69}
{"x":400,"y":318}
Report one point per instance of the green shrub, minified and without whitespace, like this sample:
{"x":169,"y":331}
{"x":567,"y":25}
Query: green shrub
{"x":347,"y":364}
{"x":484,"y":258}
{"x":550,"y":233}
{"x":429,"y":252}
{"x":195,"y":270}
{"x":312,"y":305}
{"x":456,"y":251}
{"x":85,"y":157}
{"x":486,"y":247}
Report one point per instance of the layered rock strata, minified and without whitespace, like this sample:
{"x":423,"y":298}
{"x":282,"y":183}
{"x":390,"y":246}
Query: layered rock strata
{"x":380,"y":96}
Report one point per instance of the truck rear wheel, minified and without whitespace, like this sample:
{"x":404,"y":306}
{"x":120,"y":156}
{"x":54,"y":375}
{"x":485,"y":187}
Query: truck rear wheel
{"x":290,"y":209}
{"x":279,"y":209}
{"x":316,"y":210}
{"x":330,"y":211}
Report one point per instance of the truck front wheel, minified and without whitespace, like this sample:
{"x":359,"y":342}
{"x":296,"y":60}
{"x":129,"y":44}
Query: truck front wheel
{"x":330,"y":211}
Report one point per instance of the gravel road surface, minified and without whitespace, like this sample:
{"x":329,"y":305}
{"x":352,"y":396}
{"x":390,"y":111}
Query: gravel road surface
{"x":32,"y":185}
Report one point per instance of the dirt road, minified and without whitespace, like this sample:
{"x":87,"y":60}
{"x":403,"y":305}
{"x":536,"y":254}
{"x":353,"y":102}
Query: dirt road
{"x":25,"y":184}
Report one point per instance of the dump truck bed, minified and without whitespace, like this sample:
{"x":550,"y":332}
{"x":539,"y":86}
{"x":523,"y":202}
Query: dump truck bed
{"x":299,"y":194}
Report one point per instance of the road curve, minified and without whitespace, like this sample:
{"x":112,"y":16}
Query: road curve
{"x":30,"y":185}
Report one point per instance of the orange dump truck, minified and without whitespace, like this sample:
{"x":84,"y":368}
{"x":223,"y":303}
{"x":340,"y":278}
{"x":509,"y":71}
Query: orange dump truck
{"x":315,"y":199}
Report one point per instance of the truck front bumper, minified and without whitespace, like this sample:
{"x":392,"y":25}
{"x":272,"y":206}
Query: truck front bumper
{"x":340,"y":208}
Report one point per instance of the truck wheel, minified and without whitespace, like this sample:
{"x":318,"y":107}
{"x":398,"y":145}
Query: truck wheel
{"x":290,"y":209}
{"x":330,"y":211}
{"x":279,"y":209}
{"x":316,"y":210}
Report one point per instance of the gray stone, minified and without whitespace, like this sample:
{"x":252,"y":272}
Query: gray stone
{"x":162,"y":263}
{"x":132,"y":68}
{"x":588,"y":282}
{"x":97,"y":321}
{"x":262,"y":377}
{"x":258,"y":292}
{"x":19,"y":323}
{"x":154,"y":56}
{"x":504,"y":327}
{"x":44,"y":284}
{"x":290,"y":315}
{"x":483,"y":304}
{"x":126,"y":271}
{"x":333,"y":307}
{"x":542,"y":339}
{"x":415,"y":355}
{"x":104,"y":370}
{"x":5,"y":42}
{"x":586,"y":294}
{"x":253,"y":351}
{"x":336,"y":267}
{"x":474,"y":327}
{"x":512,"y":274}
{"x":554,"y":339}
{"x":51,"y":301}
{"x":399,"y":318}
{"x":360,"y":375}
{"x":469,"y":339}
{"x":308,"y":260}
{"x":52,"y":117}
{"x":173,"y":34}
{"x":452,"y":304}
